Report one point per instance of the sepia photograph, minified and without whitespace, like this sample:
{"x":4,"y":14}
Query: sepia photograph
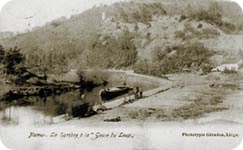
{"x":121,"y":74}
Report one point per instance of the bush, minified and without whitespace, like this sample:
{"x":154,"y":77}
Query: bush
{"x":138,"y":12}
{"x":210,"y":32}
{"x":206,"y":68}
{"x":113,"y":53}
{"x":13,"y":65}
{"x":190,"y":57}
{"x":55,"y":23}
{"x":213,"y":16}
{"x":13,"y":61}
{"x":228,"y":71}
{"x":183,"y":17}
{"x":142,"y":66}
{"x":61,"y":109}
{"x":180,"y":34}
{"x":2,"y":53}
{"x":92,"y":78}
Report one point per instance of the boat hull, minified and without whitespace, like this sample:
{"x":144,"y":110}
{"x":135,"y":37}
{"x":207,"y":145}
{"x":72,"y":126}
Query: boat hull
{"x":109,"y":94}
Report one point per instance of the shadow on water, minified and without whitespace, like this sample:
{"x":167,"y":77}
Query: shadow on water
{"x":75,"y":103}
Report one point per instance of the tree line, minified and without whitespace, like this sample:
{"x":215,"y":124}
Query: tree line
{"x":174,"y":59}
{"x":12,"y":64}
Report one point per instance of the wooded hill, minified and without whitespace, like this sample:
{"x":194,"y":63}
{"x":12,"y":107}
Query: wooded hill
{"x":151,"y":36}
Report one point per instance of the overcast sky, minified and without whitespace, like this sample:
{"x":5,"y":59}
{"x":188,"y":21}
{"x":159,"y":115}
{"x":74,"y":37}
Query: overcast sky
{"x":20,"y":15}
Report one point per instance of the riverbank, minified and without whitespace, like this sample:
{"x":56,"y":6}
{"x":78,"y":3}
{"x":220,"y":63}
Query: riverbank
{"x":148,"y":121}
{"x":183,"y":97}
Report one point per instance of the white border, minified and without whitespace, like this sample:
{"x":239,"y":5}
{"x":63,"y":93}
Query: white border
{"x":2,"y":146}
{"x":240,"y":2}
{"x":2,"y":2}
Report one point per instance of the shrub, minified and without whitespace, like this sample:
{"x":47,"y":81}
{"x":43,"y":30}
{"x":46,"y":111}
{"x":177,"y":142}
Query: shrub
{"x":13,"y":60}
{"x":206,"y":68}
{"x":142,"y":66}
{"x":213,"y":16}
{"x":192,"y":55}
{"x":228,"y":71}
{"x":139,"y":12}
{"x":61,"y":109}
{"x":180,"y":34}
{"x":186,"y":57}
{"x":183,"y":17}
{"x":200,"y":26}
{"x":2,"y":53}
{"x":210,"y":32}
{"x":13,"y":65}
{"x":55,"y":23}
{"x":92,"y":78}
{"x":113,"y":53}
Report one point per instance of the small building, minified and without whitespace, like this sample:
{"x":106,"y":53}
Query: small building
{"x":228,"y":67}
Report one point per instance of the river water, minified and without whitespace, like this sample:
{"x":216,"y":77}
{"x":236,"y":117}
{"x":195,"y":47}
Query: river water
{"x":52,"y":109}
{"x":44,"y":110}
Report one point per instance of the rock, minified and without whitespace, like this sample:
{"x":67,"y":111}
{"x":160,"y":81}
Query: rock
{"x":117,"y":119}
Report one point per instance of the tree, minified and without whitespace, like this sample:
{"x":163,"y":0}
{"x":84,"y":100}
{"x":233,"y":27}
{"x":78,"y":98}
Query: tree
{"x":2,"y":53}
{"x":13,"y":61}
{"x":215,"y":11}
{"x":13,"y":66}
{"x":113,"y":52}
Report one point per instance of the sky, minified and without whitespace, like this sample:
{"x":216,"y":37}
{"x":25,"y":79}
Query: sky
{"x":22,"y":15}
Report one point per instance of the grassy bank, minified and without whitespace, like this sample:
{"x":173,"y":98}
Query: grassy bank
{"x":199,"y":106}
{"x":192,"y":97}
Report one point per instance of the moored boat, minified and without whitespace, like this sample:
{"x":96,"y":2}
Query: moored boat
{"x":110,"y":93}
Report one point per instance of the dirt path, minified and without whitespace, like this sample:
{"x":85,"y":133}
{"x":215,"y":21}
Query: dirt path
{"x":146,"y":119}
{"x":164,"y":86}
{"x":121,"y":101}
{"x":183,"y":97}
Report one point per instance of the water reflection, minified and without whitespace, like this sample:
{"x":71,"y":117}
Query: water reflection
{"x":42,"y":110}
{"x":22,"y":115}
{"x":52,"y":109}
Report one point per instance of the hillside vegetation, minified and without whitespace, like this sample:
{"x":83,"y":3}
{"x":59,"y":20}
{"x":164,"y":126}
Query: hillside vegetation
{"x":152,"y":37}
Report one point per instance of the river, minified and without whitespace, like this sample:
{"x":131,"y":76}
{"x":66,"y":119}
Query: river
{"x":52,"y":109}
